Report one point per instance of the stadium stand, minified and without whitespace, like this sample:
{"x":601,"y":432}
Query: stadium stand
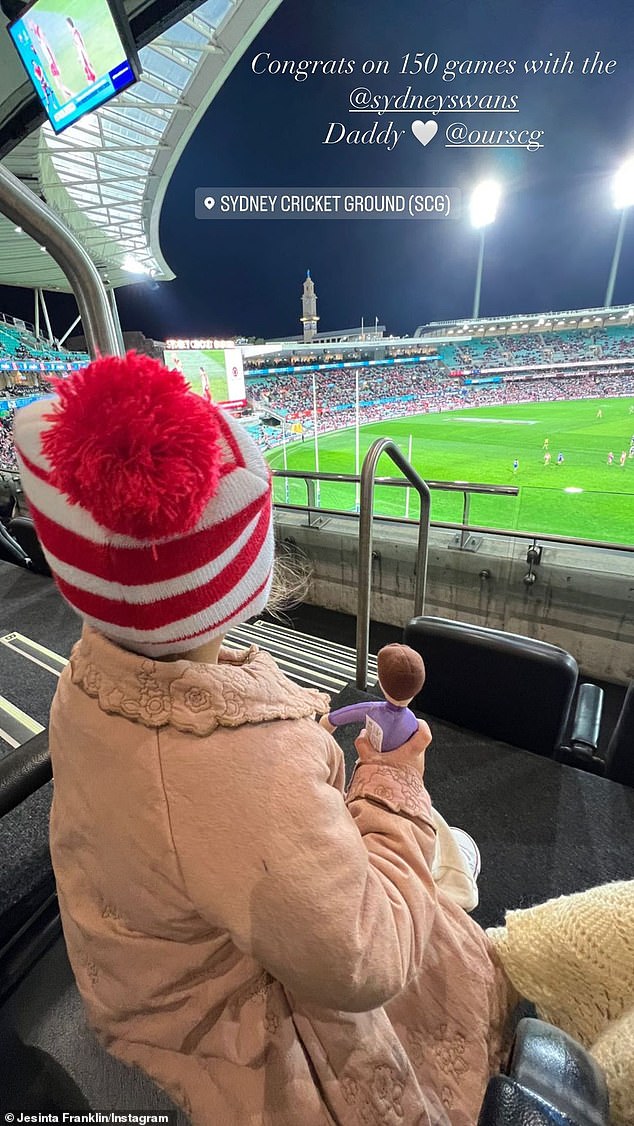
{"x":531,"y":349}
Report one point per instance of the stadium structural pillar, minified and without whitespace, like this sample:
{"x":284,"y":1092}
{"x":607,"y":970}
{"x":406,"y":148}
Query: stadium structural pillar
{"x":26,"y":210}
{"x":47,"y":319}
{"x":114,"y":309}
{"x":616,"y":259}
{"x":70,"y":329}
{"x":478,"y":281}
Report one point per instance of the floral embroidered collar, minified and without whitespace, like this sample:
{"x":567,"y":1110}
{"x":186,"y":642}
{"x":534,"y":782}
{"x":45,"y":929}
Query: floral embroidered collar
{"x":246,"y":686}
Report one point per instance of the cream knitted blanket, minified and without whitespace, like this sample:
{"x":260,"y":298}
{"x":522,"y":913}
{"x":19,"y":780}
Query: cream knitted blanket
{"x":573,"y":957}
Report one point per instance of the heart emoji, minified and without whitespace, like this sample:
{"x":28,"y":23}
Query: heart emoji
{"x":424,"y":131}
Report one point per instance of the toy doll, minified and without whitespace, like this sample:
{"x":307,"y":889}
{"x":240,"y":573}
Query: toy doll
{"x":388,"y":723}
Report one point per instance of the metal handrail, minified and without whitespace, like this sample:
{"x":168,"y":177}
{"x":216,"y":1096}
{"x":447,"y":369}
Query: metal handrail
{"x":442,"y":486}
{"x":481,"y":530}
{"x":23,"y":207}
{"x":449,"y":486}
{"x":366,"y":512}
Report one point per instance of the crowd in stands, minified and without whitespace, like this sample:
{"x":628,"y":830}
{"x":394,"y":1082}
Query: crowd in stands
{"x":531,"y":349}
{"x":522,"y":349}
{"x":8,"y":459}
{"x":410,"y":390}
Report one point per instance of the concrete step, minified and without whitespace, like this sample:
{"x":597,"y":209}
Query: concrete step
{"x":308,"y":660}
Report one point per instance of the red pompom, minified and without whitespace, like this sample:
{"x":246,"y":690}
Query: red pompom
{"x":131,"y":443}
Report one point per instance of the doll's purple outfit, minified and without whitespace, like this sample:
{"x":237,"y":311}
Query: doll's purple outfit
{"x":398,"y":724}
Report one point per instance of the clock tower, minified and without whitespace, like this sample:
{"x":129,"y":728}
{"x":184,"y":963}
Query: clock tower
{"x":309,"y":316}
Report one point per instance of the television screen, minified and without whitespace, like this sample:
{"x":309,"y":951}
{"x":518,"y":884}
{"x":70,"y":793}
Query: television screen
{"x":75,"y":54}
{"x":215,"y":373}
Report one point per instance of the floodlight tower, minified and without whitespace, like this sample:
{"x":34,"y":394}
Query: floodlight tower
{"x":623,"y":195}
{"x":483,"y":210}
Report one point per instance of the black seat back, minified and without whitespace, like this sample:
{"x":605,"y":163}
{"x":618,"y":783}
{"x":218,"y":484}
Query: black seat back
{"x":551,"y":1080}
{"x":619,"y":758}
{"x":499,"y":684}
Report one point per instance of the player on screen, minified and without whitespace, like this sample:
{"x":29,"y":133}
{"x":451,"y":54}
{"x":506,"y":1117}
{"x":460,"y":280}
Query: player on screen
{"x":545,"y":445}
{"x":610,"y":457}
{"x":516,"y":465}
{"x":40,"y":78}
{"x":82,"y":53}
{"x":560,"y":459}
{"x":623,"y":458}
{"x":547,"y":458}
{"x":204,"y":379}
{"x":56,"y":74}
{"x":599,"y":413}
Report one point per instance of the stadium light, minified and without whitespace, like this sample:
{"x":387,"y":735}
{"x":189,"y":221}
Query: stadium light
{"x":623,"y":196}
{"x":623,"y":185}
{"x":484,"y":203}
{"x":483,"y":208}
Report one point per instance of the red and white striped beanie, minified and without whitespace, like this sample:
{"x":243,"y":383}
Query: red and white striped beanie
{"x":153,"y":506}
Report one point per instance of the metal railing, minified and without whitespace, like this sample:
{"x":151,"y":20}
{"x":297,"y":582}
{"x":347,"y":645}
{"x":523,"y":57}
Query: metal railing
{"x":23,"y":207}
{"x":309,"y":477}
{"x":479,"y":529}
{"x":446,"y":525}
{"x":366,"y":512}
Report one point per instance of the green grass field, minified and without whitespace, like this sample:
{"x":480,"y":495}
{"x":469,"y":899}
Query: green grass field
{"x":479,"y":446}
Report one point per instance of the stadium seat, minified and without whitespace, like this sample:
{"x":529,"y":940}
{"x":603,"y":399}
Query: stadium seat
{"x":11,"y":551}
{"x":23,"y":531}
{"x":617,"y":760}
{"x":29,"y":915}
{"x":619,"y":757}
{"x":507,"y":687}
{"x":550,"y":1080}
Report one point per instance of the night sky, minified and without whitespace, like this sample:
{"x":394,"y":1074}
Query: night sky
{"x":552,"y":243}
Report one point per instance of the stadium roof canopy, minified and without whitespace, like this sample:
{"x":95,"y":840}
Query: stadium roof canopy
{"x":108,"y":174}
{"x":529,"y":322}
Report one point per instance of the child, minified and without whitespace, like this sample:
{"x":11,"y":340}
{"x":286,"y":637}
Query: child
{"x":270,"y":948}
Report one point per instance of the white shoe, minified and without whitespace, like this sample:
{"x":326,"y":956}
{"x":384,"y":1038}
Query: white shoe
{"x":469,"y":850}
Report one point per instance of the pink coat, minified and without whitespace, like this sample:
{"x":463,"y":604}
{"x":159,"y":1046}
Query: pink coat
{"x":271,"y":950}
